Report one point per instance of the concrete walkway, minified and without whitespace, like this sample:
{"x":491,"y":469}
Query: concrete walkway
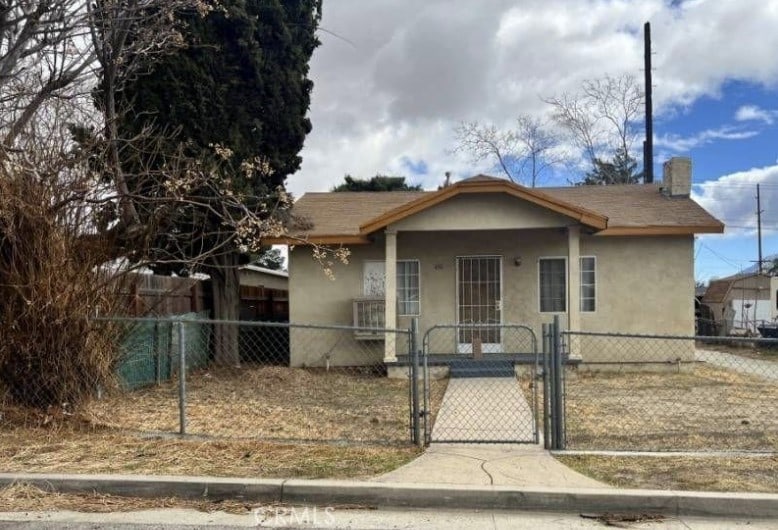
{"x":519,"y":465}
{"x":484,"y":409}
{"x":744,"y":365}
{"x":487,"y":409}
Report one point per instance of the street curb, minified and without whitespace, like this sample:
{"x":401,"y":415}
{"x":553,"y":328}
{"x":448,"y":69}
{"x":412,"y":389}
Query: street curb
{"x":381,"y":494}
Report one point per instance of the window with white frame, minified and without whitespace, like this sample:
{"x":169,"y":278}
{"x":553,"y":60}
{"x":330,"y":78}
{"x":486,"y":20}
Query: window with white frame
{"x":588,"y":284}
{"x":408,"y":288}
{"x":408,"y":291}
{"x":553,"y":285}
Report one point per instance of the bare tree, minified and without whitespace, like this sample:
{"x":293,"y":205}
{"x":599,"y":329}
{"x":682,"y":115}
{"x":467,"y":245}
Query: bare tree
{"x":601,"y":119}
{"x":522,"y":153}
{"x":42,"y":56}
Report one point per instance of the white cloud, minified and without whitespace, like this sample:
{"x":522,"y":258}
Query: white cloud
{"x":732,"y":199}
{"x":410,"y":71}
{"x":755,"y":113}
{"x":682,"y":144}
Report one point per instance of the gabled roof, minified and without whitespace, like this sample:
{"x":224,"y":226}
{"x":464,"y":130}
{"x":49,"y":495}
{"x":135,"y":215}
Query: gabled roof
{"x":638,"y":209}
{"x":486,"y":184}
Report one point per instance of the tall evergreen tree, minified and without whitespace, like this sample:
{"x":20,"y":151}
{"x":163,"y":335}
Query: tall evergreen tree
{"x":377,"y":183}
{"x":239,"y":88}
{"x":622,"y":169}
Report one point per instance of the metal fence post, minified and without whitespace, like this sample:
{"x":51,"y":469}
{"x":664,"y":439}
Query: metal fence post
{"x":546,"y":386}
{"x":426,"y":388}
{"x":181,"y":378}
{"x":416,"y":424}
{"x":559,"y":436}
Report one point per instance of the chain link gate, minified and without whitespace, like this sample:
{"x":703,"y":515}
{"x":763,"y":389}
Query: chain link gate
{"x":492,"y":391}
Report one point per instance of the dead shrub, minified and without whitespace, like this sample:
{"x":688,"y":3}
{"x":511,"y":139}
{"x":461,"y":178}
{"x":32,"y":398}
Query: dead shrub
{"x":52,"y":354}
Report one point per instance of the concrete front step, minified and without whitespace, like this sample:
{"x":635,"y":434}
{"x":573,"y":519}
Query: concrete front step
{"x":481,"y":368}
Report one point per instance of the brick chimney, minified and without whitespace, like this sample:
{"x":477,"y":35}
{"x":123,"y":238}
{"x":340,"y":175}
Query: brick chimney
{"x":677,"y":177}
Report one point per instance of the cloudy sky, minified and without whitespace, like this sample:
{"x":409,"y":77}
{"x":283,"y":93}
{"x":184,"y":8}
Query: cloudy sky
{"x":393,"y":78}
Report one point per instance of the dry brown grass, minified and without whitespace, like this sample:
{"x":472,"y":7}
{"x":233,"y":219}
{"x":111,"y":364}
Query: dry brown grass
{"x":743,"y":473}
{"x":270,"y":402}
{"x":242,"y":415}
{"x":23,"y":497}
{"x":77,"y":450}
{"x":750,"y":351}
{"x":703,"y":408}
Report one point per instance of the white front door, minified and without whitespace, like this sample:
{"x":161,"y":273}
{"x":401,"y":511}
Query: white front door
{"x":479,"y":301}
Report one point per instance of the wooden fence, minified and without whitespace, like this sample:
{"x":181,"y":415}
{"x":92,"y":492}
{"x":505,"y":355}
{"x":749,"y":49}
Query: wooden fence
{"x":151,"y":295}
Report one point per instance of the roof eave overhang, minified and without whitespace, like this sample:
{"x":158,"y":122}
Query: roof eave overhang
{"x":328,"y":239}
{"x":582,"y":215}
{"x":659,"y":230}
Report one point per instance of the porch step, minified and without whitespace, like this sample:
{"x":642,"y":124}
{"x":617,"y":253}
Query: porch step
{"x":480,"y":368}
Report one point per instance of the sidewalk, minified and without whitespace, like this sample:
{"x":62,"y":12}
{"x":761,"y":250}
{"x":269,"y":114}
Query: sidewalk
{"x":517,"y":465}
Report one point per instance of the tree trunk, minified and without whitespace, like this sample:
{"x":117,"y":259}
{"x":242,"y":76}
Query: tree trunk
{"x":225,"y":285}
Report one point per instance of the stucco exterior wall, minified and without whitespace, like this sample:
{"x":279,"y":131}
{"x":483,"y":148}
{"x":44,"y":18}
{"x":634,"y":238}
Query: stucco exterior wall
{"x":485,"y":211}
{"x":644,"y":286}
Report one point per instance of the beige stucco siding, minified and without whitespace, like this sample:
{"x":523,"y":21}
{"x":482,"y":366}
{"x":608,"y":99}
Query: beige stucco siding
{"x":483,"y":211}
{"x":644,"y":285}
{"x":316,"y":299}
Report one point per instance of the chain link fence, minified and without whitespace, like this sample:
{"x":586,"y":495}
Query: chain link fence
{"x":662,"y":393}
{"x":258,"y":380}
{"x":491,"y":395}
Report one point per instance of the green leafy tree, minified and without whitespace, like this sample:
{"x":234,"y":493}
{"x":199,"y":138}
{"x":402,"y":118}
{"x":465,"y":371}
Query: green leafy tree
{"x":232,"y":102}
{"x":377,"y":183}
{"x":622,"y":169}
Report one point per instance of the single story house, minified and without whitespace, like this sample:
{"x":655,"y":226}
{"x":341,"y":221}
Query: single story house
{"x":487,"y":251}
{"x":742,"y":301}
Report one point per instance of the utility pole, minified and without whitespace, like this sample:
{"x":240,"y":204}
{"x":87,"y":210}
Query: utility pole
{"x":648,"y":143}
{"x":759,"y":227}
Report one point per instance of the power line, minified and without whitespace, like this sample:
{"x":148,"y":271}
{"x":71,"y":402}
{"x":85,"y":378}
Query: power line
{"x":714,"y":184}
{"x":722,"y":258}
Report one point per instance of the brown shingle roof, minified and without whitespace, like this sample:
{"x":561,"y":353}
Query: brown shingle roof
{"x":636,"y":205}
{"x":335,"y":213}
{"x":626,"y":207}
{"x":717,"y":291}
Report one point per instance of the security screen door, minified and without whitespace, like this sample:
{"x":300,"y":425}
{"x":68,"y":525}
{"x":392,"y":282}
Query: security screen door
{"x":479,"y":301}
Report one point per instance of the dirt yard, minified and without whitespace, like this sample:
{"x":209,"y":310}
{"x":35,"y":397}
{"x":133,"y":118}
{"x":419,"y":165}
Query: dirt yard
{"x":705,"y":408}
{"x":256,"y":422}
{"x":758,"y":351}
{"x":742,"y":473}
{"x":74,"y":449}
{"x":272,"y":403}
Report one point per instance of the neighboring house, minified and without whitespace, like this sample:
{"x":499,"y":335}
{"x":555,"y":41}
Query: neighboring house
{"x":264,"y":294}
{"x":255,"y":276}
{"x":741,"y":302}
{"x":487,"y":251}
